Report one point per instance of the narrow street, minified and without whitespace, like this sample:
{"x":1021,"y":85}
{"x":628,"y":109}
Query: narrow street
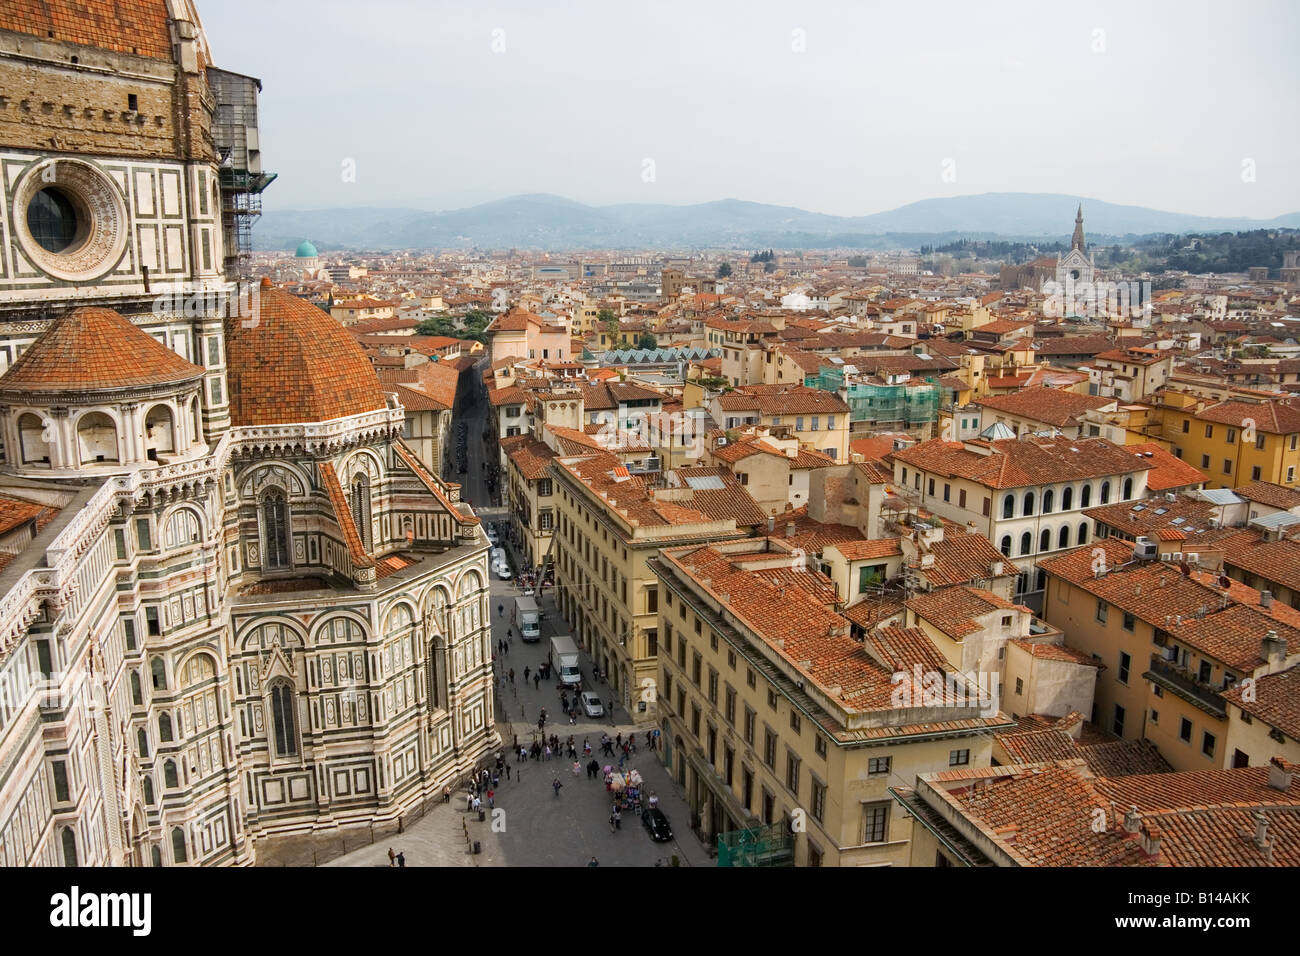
{"x":533,"y":826}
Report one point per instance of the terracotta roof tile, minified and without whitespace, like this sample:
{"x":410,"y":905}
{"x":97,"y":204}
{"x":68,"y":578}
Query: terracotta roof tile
{"x":93,"y":349}
{"x":296,"y":364}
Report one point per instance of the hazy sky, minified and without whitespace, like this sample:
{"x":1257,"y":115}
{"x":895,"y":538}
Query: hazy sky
{"x":839,"y":107}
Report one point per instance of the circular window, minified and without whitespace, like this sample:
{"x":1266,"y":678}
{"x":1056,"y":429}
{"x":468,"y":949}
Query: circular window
{"x":70,"y":219}
{"x":52,"y":219}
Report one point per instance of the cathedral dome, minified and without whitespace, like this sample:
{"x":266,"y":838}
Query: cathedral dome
{"x":293,"y":363}
{"x":94,"y":349}
{"x":306,"y":250}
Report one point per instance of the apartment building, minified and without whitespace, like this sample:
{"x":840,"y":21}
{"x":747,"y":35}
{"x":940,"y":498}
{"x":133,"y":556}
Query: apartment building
{"x":1028,"y":496}
{"x":1235,"y":442}
{"x":610,"y":523}
{"x":785,"y":731}
{"x":1172,"y":640}
{"x":818,"y":419}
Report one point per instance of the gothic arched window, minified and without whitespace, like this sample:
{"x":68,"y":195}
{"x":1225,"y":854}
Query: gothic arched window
{"x":164,"y":727}
{"x":275,"y":531}
{"x":1067,"y":499}
{"x":179,"y":854}
{"x":170,"y":781}
{"x":282,"y":719}
{"x":69,"y":847}
{"x":361,"y":508}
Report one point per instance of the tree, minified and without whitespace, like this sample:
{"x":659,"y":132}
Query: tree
{"x":769,"y":266}
{"x":724,"y":270}
{"x":646,"y":340}
{"x":608,"y":322}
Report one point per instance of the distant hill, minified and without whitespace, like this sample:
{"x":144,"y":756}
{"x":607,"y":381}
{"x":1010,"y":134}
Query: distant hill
{"x":542,"y":221}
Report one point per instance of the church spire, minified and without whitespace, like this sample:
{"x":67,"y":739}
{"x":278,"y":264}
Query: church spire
{"x":1076,"y":242}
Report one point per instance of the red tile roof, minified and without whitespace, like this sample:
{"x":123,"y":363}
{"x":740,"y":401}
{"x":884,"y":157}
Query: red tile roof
{"x":1168,"y":471}
{"x":343,"y":515}
{"x":127,"y":26}
{"x":90,"y":349}
{"x":1019,"y":463}
{"x":294,"y":364}
{"x":1052,"y":406}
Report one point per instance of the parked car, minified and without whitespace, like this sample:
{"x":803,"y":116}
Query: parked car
{"x":502,"y":571}
{"x":591,"y":704}
{"x":656,"y":825}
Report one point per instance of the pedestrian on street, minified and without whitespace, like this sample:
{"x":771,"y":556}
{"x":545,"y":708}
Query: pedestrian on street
{"x":446,"y":794}
{"x":556,"y":785}
{"x":401,"y":859}
{"x":618,"y":818}
{"x":492,"y":799}
{"x":507,"y":772}
{"x":501,"y":609}
{"x":612,"y":826}
{"x":577,"y":768}
{"x":537,"y":679}
{"x":611,"y":710}
{"x":594,"y":862}
{"x":512,"y":677}
{"x":391,"y":856}
{"x":526,"y":673}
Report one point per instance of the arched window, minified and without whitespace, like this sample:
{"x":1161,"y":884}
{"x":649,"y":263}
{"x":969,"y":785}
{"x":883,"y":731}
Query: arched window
{"x":159,"y":432}
{"x":1040,"y":581}
{"x":142,"y":742}
{"x":1008,"y":506}
{"x":164,"y":728}
{"x":1083,"y":532}
{"x":137,"y":696}
{"x":33,"y":448}
{"x":1026,"y":543}
{"x":282,"y":719}
{"x":1105,"y":492}
{"x":1128,"y":489}
{"x":361,"y":508}
{"x":69,"y":847}
{"x":178,"y":846}
{"x":170,"y":781}
{"x":1029,"y":502}
{"x":97,"y":439}
{"x":1085,"y":496}
{"x":159,"y":671}
{"x":1067,"y":499}
{"x":1045,"y":540}
{"x":275,"y":531}
{"x":1005,"y":547}
{"x":148,"y":791}
{"x":1049,"y":498}
{"x":155,"y":854}
{"x":435,"y":698}
{"x":1063,"y":539}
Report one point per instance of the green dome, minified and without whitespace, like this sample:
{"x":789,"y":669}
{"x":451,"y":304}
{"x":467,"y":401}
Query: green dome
{"x":306,"y":250}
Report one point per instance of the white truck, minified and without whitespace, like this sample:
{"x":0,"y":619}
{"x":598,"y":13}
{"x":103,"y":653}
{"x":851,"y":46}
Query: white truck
{"x":564,"y":660}
{"x":527,"y":617}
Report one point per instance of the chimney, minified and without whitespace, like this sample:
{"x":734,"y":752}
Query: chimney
{"x":1279,"y":775}
{"x":1273,"y":649}
{"x":1150,"y":841}
{"x":771,"y":524}
{"x":1261,"y":829}
{"x":1265,"y":598}
{"x":1132,"y":822}
{"x":995,"y":569}
{"x":789,"y":529}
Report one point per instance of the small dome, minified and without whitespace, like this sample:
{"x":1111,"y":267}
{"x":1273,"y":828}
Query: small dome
{"x":295,"y":364}
{"x":95,"y":349}
{"x":997,"y":431}
{"x":306,"y":250}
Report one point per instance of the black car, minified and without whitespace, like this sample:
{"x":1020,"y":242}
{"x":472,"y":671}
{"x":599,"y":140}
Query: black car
{"x":656,"y":825}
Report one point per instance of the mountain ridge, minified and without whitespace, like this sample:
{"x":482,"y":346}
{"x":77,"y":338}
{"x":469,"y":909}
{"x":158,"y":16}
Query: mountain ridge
{"x":545,"y":221}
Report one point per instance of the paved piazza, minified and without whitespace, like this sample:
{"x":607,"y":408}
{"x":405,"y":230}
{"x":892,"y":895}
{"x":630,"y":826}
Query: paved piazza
{"x":537,"y":828}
